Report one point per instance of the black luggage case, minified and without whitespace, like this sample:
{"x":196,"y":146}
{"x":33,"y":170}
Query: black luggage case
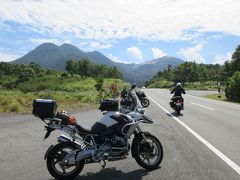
{"x":44,"y":108}
{"x":109,"y":105}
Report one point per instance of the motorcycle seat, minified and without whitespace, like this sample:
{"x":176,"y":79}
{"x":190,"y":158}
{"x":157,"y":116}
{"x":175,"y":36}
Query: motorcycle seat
{"x":176,"y":97}
{"x":82,"y":129}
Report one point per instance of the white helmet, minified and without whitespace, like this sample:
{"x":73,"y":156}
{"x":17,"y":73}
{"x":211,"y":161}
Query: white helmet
{"x":179,"y":84}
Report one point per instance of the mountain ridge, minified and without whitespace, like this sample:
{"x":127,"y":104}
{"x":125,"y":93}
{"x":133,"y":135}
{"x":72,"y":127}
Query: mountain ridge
{"x":52,"y":56}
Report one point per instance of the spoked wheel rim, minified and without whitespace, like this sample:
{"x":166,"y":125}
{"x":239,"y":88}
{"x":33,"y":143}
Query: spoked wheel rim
{"x":150,"y":152}
{"x":57,"y":164}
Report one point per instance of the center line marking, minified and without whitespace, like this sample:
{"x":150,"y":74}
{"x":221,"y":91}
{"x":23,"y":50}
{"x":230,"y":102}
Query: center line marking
{"x":232,"y":164}
{"x":203,"y":106}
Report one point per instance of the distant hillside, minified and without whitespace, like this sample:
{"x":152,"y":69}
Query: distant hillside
{"x":150,"y":68}
{"x":52,"y":56}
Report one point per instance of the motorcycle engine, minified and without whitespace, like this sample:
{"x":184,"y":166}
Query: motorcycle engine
{"x":115,"y":146}
{"x":118,"y":141}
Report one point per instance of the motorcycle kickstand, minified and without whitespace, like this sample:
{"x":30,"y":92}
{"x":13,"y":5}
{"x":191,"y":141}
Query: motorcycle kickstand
{"x":104,"y":163}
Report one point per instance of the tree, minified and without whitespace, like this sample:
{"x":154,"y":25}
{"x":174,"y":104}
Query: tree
{"x":235,"y":62}
{"x":232,"y":66}
{"x":26,"y":74}
{"x":114,"y":73}
{"x":232,"y":90}
{"x":71,"y":67}
{"x":36,"y":67}
{"x":84,"y":67}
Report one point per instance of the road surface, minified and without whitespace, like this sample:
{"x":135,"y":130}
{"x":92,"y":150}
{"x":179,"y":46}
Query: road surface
{"x":186,"y":155}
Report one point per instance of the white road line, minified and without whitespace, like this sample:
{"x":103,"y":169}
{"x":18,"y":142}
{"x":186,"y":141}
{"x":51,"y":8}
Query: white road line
{"x":202,"y":106}
{"x":232,"y":164}
{"x":221,"y":102}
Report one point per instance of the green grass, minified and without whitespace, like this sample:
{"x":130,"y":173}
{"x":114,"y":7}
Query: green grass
{"x":19,"y":102}
{"x":216,"y":97}
{"x":222,"y":98}
{"x":208,"y":85}
{"x":68,"y":92}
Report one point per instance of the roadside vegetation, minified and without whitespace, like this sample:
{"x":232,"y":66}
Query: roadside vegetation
{"x":217,"y":96}
{"x":21,"y":84}
{"x":224,"y":78}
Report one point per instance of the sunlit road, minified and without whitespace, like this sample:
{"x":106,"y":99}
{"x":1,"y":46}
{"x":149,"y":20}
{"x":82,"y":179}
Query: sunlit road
{"x":185,"y":155}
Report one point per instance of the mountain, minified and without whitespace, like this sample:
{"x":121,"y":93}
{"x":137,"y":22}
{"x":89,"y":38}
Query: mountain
{"x":159,"y":64}
{"x":52,"y":56}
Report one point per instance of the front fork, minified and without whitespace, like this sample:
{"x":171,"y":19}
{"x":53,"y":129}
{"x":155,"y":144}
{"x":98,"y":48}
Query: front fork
{"x":141,"y":133}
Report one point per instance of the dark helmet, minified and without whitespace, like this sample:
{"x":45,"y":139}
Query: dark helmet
{"x":133,"y":85}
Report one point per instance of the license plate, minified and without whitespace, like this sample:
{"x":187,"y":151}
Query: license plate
{"x":178,"y":104}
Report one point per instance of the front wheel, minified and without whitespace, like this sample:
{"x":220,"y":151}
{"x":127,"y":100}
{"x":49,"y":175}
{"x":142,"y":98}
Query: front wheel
{"x":149,"y":153}
{"x":145,"y":102}
{"x":57,"y":168}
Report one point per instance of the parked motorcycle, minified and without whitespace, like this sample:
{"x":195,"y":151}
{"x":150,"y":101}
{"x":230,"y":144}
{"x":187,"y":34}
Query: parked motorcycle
{"x":108,"y":139}
{"x":143,"y":98}
{"x":177,"y":104}
{"x":126,"y":102}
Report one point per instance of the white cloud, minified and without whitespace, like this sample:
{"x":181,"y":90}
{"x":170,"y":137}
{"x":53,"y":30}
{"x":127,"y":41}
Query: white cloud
{"x":158,"y":53}
{"x":192,"y":54}
{"x":105,"y":19}
{"x":98,"y":45}
{"x":6,"y":57}
{"x":42,"y":40}
{"x":116,"y":59}
{"x":220,"y":59}
{"x":136,"y":52}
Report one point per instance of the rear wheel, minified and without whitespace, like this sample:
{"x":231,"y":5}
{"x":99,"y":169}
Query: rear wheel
{"x":148,"y":154}
{"x":145,"y":102}
{"x":178,"y":112}
{"x":55,"y":164}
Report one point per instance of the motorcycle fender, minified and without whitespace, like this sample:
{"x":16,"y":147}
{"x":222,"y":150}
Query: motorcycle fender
{"x":137,"y":137}
{"x":48,"y":152}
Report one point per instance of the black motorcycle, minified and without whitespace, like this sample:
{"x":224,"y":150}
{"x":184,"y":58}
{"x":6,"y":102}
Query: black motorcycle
{"x":142,"y":97}
{"x":177,"y":104}
{"x":127,"y":103}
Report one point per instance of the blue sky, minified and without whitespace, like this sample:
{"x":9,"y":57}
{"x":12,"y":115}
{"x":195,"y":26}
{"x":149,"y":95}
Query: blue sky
{"x":205,"y":31}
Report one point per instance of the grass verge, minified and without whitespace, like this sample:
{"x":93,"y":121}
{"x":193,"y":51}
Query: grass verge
{"x":221,"y":98}
{"x":69,"y":93}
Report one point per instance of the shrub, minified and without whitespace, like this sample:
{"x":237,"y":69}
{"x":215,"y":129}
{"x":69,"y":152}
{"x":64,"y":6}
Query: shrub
{"x":232,"y":90}
{"x":45,"y":95}
{"x":14,"y":108}
{"x":64,"y":74}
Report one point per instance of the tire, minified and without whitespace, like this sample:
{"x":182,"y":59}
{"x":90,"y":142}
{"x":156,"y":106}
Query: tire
{"x":141,"y":146}
{"x":145,"y":102}
{"x":51,"y":163}
{"x":178,"y":112}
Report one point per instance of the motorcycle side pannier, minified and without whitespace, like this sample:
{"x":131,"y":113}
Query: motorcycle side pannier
{"x":44,"y":108}
{"x":109,"y":105}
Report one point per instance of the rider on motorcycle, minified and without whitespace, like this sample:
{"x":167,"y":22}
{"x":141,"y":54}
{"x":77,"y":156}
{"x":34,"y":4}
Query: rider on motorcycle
{"x":178,"y":90}
{"x":133,"y":97}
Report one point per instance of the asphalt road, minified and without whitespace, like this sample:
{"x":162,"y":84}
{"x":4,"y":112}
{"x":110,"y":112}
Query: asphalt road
{"x":185,"y":156}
